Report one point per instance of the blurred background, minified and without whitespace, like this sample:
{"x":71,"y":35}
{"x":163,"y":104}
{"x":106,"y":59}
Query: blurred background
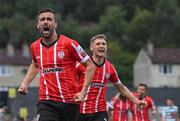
{"x":143,"y":44}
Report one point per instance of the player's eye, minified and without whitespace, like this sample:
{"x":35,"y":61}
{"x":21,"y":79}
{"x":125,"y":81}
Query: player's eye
{"x":42,"y":19}
{"x":98,"y":43}
{"x":49,"y":19}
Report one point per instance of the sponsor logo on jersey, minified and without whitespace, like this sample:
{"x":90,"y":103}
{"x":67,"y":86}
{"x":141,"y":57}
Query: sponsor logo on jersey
{"x":97,"y":85}
{"x":61,"y":54}
{"x":52,"y":70}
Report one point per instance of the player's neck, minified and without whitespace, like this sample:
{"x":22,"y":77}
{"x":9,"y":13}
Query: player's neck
{"x":50,"y":40}
{"x":98,"y":60}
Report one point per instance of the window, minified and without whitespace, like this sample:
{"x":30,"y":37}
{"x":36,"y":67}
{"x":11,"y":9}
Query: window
{"x":5,"y":70}
{"x":165,"y":69}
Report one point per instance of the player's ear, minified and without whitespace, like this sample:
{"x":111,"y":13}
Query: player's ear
{"x":91,"y":49}
{"x":55,"y":25}
{"x":37,"y":26}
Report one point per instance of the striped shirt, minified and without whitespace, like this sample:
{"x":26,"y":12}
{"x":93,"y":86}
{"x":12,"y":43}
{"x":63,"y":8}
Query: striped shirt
{"x":139,"y":114}
{"x":170,"y":113}
{"x":120,"y":109}
{"x":56,"y":65}
{"x":95,"y":100}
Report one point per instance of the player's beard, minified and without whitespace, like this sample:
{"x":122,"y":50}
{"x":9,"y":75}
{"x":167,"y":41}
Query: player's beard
{"x":141,"y":96}
{"x":51,"y":31}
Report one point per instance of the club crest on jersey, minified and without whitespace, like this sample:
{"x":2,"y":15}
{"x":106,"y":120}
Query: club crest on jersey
{"x":61,"y":54}
{"x":107,"y":75}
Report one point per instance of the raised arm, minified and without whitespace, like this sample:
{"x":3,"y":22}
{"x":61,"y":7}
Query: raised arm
{"x":32,"y":72}
{"x":126,"y":93}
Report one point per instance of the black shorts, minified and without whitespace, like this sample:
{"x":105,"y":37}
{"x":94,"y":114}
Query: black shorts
{"x":57,"y":111}
{"x":99,"y":116}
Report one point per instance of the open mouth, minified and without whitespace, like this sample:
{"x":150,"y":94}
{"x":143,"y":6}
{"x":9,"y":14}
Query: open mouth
{"x":46,"y":29}
{"x":101,"y":50}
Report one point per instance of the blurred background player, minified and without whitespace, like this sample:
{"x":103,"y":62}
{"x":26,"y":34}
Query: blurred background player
{"x":94,"y":107}
{"x":2,"y":111}
{"x":119,"y":108}
{"x":170,"y":111}
{"x":142,"y":114}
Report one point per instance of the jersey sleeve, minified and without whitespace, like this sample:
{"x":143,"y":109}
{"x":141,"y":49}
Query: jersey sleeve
{"x":78,"y":52}
{"x":151,"y":103}
{"x":34,"y":60}
{"x":164,"y":111}
{"x":114,"y":76}
{"x":80,"y":70}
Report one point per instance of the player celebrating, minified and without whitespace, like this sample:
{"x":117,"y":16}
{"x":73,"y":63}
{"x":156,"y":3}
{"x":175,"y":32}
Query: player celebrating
{"x":94,"y":106}
{"x":55,"y":57}
{"x":119,"y":107}
{"x":142,"y":114}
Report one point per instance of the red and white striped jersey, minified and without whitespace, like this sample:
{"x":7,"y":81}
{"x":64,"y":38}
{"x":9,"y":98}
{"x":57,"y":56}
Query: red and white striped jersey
{"x":120,"y":109}
{"x":139,"y":114}
{"x":95,"y":100}
{"x":57,"y":67}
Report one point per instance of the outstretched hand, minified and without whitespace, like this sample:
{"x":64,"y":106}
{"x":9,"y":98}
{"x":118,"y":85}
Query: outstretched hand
{"x":142,"y":104}
{"x":79,"y":97}
{"x":23,"y":89}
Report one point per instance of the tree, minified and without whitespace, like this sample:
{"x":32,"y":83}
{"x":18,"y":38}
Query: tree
{"x":20,"y":27}
{"x":123,"y":61}
{"x":4,"y":33}
{"x":166,"y":26}
{"x":140,"y":29}
{"x":113,"y":23}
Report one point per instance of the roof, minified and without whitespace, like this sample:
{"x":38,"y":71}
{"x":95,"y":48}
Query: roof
{"x":17,"y":59}
{"x":166,"y":56}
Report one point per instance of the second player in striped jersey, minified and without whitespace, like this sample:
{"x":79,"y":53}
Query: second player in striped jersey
{"x":94,"y":106}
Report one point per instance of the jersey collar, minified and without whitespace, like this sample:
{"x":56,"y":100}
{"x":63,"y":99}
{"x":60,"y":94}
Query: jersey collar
{"x":98,"y":65}
{"x":48,"y":46}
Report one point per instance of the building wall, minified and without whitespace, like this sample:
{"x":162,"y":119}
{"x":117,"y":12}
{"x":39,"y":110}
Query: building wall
{"x":165,"y":80}
{"x":142,"y":70}
{"x":18,"y":74}
{"x":146,"y":72}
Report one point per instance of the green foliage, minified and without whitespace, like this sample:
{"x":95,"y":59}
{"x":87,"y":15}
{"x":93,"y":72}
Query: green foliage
{"x":140,"y":29}
{"x":91,"y":10}
{"x":19,"y":28}
{"x":166,"y":26}
{"x":122,"y":60}
{"x":4,"y":33}
{"x":113,"y":23}
{"x":82,"y":34}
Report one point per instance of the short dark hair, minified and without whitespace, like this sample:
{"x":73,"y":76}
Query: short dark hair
{"x":170,"y":98}
{"x":97,"y":36}
{"x":144,"y":85}
{"x":46,"y":10}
